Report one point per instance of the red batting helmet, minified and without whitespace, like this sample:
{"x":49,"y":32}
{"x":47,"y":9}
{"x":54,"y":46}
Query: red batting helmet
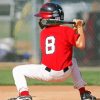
{"x":51,"y":11}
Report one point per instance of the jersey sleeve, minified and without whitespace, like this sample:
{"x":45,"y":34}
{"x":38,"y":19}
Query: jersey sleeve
{"x":72,"y":36}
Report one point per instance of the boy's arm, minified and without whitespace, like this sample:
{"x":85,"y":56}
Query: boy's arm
{"x":80,"y":43}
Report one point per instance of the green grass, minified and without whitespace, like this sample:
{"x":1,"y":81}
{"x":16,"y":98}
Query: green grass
{"x":6,"y":77}
{"x":91,"y":77}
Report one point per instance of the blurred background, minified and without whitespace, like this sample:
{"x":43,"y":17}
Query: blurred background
{"x":19,"y":30}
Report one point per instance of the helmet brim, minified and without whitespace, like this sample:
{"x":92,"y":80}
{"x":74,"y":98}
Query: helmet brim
{"x":44,"y":15}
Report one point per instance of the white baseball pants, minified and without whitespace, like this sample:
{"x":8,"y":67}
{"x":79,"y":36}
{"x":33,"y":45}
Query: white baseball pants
{"x":37,"y":71}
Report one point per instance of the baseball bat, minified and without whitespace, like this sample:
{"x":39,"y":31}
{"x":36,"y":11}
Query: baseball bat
{"x":56,"y":22}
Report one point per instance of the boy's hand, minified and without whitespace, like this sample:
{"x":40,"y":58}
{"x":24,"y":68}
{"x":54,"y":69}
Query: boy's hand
{"x":79,"y":23}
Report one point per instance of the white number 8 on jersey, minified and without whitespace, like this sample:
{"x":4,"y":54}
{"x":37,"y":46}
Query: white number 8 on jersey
{"x":50,"y":45}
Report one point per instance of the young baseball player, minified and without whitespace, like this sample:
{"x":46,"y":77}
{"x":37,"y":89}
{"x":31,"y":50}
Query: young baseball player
{"x":57,"y":64}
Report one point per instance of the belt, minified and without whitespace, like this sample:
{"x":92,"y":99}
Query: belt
{"x":49,"y":70}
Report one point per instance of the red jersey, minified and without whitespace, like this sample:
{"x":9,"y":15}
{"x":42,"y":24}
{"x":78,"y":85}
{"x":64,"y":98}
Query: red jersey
{"x":57,"y":46}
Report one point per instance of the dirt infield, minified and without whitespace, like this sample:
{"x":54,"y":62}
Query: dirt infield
{"x":48,"y":92}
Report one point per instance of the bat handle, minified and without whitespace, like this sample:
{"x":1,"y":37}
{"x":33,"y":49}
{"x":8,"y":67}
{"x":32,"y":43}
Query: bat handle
{"x":71,"y":23}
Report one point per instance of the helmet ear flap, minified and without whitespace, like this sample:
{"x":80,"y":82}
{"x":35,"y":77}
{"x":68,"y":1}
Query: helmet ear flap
{"x":61,"y":12}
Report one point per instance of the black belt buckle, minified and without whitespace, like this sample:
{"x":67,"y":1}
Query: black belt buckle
{"x":47,"y":69}
{"x":65,"y":69}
